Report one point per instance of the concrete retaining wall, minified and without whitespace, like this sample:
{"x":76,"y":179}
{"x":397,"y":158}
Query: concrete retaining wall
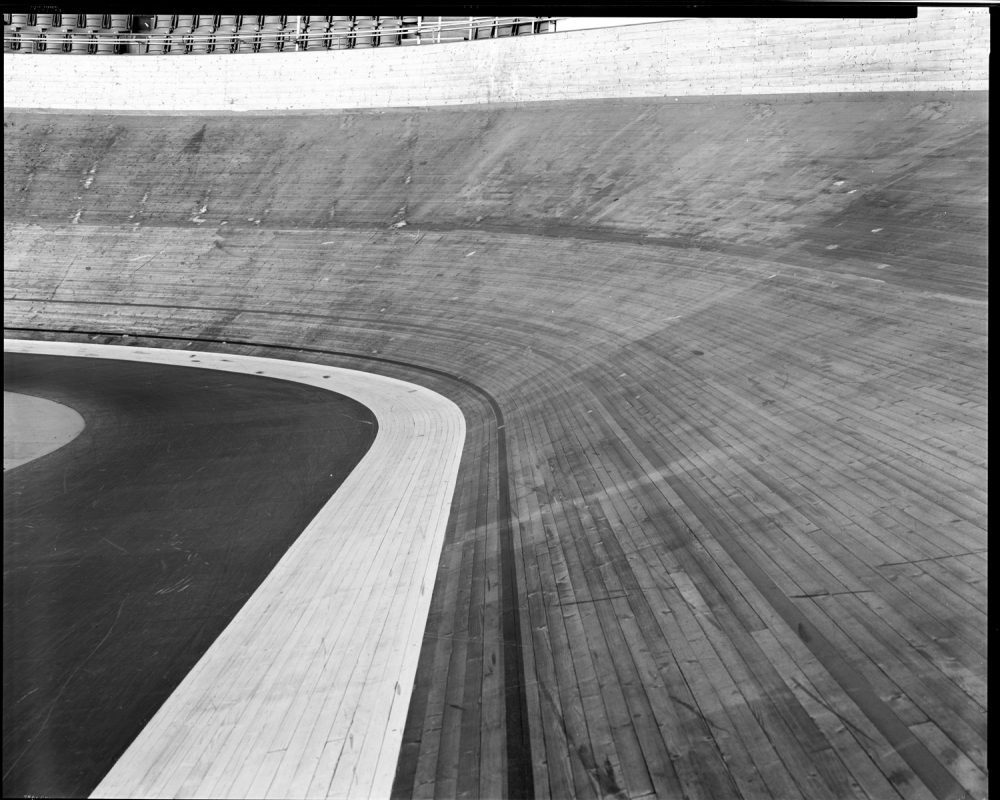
{"x":943,"y":49}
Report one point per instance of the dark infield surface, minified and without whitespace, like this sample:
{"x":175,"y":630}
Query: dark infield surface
{"x":129,"y":550}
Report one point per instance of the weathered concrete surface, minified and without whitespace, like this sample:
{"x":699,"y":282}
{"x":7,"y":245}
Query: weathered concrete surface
{"x":942,"y":49}
{"x":34,"y":427}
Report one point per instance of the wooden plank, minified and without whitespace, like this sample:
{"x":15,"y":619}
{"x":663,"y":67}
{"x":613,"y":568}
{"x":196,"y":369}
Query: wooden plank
{"x":927,"y":689}
{"x":640,"y":587}
{"x":425,"y":719}
{"x":774,"y":776}
{"x":935,"y":601}
{"x":651,"y":752}
{"x":445,"y":767}
{"x":143,"y":759}
{"x":707,"y":410}
{"x":473,"y":723}
{"x":951,"y":662}
{"x":432,"y":678}
{"x":577,"y":594}
{"x":806,"y":771}
{"x":850,"y":733}
{"x":968,"y":773}
{"x":569,"y":695}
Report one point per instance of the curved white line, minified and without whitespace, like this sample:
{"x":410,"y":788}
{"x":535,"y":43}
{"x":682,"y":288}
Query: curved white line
{"x":305,"y":693}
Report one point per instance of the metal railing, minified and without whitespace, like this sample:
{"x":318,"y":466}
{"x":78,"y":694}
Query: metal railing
{"x":117,"y":34}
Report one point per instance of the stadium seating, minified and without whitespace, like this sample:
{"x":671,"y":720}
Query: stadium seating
{"x":364,"y":32}
{"x":341,"y":28}
{"x":224,"y":39}
{"x":80,"y":44}
{"x":63,"y":40}
{"x":106,"y":46}
{"x":199,"y":41}
{"x":311,"y":32}
{"x":240,"y":44}
{"x":453,"y":29}
{"x":33,"y":40}
{"x":389,"y":31}
{"x":180,"y":34}
{"x":486,"y":28}
{"x":523,"y":25}
{"x":411,"y":30}
{"x":163,"y":46}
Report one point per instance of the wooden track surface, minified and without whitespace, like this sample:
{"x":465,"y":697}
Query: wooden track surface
{"x":738,"y":347}
{"x":321,"y":658}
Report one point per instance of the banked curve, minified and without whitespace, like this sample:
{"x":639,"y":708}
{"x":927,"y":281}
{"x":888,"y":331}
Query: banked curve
{"x":365,"y":565}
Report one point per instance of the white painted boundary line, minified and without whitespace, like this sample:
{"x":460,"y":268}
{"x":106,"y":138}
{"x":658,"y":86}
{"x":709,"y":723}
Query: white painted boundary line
{"x":305,"y":693}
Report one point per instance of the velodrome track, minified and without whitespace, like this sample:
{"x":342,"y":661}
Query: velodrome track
{"x":339,"y":616}
{"x":719,"y":528}
{"x":129,"y":550}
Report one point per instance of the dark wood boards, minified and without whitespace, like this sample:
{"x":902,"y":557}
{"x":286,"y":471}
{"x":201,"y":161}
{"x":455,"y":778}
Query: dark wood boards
{"x":739,"y":347}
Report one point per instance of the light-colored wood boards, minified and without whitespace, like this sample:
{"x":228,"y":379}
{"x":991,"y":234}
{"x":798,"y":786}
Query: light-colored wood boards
{"x":305,"y":693}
